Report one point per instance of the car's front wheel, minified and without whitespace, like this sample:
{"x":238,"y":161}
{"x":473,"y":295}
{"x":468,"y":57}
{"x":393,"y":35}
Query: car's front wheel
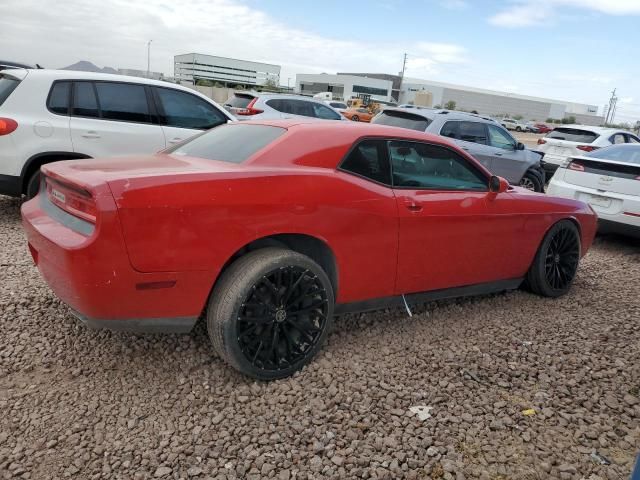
{"x":270,"y":312}
{"x":355,"y":118}
{"x":532,"y":181}
{"x":518,"y":129}
{"x":556,"y":262}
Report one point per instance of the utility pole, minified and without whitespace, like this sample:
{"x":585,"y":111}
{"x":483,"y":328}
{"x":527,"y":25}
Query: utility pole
{"x":404,"y":64}
{"x":149,"y":57}
{"x":611,"y":110}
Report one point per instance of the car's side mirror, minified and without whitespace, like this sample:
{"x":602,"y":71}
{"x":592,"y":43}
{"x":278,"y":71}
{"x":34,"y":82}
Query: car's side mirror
{"x":498,"y":184}
{"x":519,"y":146}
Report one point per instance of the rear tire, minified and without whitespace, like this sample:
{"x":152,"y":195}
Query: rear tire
{"x":531,"y":180}
{"x":33,"y":185}
{"x":270,"y":313}
{"x":518,"y":129}
{"x":556,"y":262}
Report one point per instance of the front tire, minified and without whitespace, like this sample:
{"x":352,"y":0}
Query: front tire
{"x":518,"y":129}
{"x":270,"y":313}
{"x":556,"y":262}
{"x":355,"y":118}
{"x":532,"y":181}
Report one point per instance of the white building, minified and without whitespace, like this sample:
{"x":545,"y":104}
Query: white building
{"x":496,"y":103}
{"x":227,"y":71}
{"x":343,"y":87}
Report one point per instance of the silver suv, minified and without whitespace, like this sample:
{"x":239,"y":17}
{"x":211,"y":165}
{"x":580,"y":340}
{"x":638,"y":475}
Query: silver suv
{"x":485,"y":139}
{"x":268,"y":106}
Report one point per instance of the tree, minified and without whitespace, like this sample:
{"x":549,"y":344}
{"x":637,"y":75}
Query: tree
{"x":450,"y":105}
{"x":474,"y":111}
{"x":518,"y":117}
{"x":571,"y":119}
{"x":550,"y":120}
{"x":437,"y":106}
{"x":204,"y":82}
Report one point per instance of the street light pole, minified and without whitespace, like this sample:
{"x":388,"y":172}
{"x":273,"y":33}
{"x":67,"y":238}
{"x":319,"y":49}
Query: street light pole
{"x":149,"y":57}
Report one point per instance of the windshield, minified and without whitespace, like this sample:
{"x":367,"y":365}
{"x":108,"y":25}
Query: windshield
{"x":7,"y":85}
{"x":229,"y":143}
{"x":618,"y":153}
{"x":573,"y":135}
{"x":408,"y":120}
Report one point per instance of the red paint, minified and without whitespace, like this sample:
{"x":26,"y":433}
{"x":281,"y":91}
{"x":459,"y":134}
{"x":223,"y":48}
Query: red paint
{"x":176,"y":219}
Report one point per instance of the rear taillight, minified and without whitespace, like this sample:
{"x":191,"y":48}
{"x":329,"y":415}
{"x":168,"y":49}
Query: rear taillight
{"x":249,"y":110}
{"x":76,"y":201}
{"x":7,"y":125}
{"x":576,"y":166}
{"x":541,"y":141}
{"x":586,"y":148}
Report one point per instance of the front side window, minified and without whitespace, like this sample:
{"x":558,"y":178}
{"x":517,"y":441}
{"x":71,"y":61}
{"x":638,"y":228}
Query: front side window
{"x":432,"y":167}
{"x":123,"y":101}
{"x":84,"y":100}
{"x":500,"y":139}
{"x":369,"y":159}
{"x":183,"y":110}
{"x":232,"y":142}
{"x":58,"y":101}
{"x":324,"y":112}
{"x":632,"y":139}
{"x":473,"y":132}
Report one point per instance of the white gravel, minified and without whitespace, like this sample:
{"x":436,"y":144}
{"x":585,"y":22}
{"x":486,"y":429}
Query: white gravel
{"x":89,"y":404}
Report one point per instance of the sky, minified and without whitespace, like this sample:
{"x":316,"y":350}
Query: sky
{"x":571,"y":50}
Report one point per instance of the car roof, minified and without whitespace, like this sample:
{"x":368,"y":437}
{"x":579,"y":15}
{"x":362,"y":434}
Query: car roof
{"x":78,"y":75}
{"x":433,"y":113}
{"x":591,"y":129}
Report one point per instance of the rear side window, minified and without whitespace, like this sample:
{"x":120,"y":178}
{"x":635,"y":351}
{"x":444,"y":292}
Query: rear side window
{"x":7,"y":85}
{"x":84,"y":100}
{"x":321,"y":111}
{"x":573,"y":135}
{"x":294,"y":107}
{"x":124,"y":102}
{"x":408,"y":120}
{"x":369,"y":159}
{"x":183,"y":110}
{"x":239,"y":101}
{"x":229,"y":143}
{"x":450,"y":129}
{"x":58,"y":101}
{"x":473,"y":132}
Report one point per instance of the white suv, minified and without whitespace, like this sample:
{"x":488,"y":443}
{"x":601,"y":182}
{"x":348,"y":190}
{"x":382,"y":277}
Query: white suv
{"x":271,"y":106}
{"x":511,"y":124}
{"x":51,"y":115}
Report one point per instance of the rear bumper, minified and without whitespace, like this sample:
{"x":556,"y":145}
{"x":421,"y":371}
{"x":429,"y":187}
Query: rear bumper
{"x":10,"y":185}
{"x":91,"y":273}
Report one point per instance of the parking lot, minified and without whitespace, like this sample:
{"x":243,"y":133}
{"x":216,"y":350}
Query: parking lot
{"x":95,"y":404}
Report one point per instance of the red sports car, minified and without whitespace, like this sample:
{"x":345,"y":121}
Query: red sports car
{"x":269,"y":229}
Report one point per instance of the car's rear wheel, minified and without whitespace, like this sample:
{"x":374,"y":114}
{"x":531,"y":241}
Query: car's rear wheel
{"x":556,"y":262}
{"x":518,"y":129}
{"x":33,"y":185}
{"x":270,"y":313}
{"x":355,"y":118}
{"x":532,"y":181}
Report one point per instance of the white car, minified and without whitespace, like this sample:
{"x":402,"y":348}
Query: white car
{"x":51,"y":115}
{"x":337,"y":105}
{"x":571,"y":140}
{"x":273,"y":106}
{"x":608,"y":179}
{"x":511,"y":124}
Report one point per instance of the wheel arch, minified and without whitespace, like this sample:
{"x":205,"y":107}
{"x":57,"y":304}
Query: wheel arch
{"x":313,"y":247}
{"x":36,"y":161}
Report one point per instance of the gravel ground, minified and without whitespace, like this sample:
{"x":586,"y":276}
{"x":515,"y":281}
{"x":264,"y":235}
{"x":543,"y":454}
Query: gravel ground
{"x":95,"y":404}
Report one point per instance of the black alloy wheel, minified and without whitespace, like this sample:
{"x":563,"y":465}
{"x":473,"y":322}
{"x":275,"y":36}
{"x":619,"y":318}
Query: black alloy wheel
{"x":556,"y":261}
{"x":282,"y":318}
{"x":355,"y":118}
{"x":270,"y":312}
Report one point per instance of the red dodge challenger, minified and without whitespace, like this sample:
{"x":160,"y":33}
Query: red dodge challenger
{"x":269,"y":229}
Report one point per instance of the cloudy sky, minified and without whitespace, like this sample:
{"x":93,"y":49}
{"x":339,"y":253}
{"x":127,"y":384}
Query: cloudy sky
{"x":576,"y":50}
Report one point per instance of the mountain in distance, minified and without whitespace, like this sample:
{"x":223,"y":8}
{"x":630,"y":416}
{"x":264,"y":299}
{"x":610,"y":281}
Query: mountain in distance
{"x":85,"y":66}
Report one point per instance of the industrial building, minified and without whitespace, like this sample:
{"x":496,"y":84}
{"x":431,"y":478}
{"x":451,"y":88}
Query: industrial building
{"x":486,"y":102}
{"x":229,"y":72}
{"x":343,"y":87}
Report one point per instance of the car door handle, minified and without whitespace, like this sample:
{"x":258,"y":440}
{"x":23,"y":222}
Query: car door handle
{"x":498,"y":154}
{"x":465,"y":148}
{"x":90,"y":134}
{"x":412,"y":206}
{"x":175,"y":140}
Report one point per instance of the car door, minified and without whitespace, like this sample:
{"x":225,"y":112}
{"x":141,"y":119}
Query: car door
{"x":507,"y":161}
{"x":451,"y":231}
{"x":183,"y":114}
{"x":472,"y":138}
{"x":113,"y":118}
